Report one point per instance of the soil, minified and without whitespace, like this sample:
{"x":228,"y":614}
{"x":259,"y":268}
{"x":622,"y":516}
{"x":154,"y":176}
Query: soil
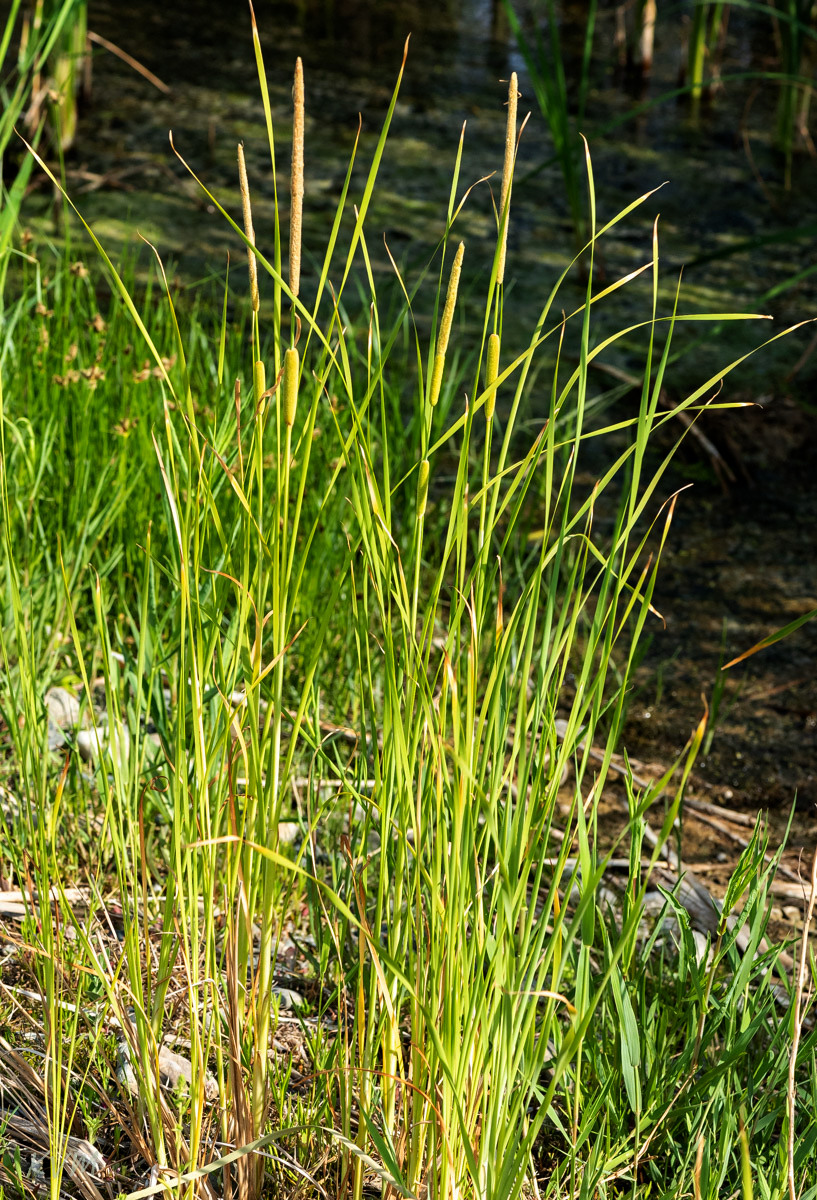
{"x":741,"y":565}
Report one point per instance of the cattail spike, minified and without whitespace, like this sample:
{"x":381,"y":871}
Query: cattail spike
{"x":297,"y":180}
{"x":248,"y":229}
{"x":491,"y":372}
{"x":445,"y":325}
{"x":290,"y":386}
{"x":451,"y":299}
{"x":507,"y":175}
{"x":422,"y":489}
{"x":436,"y":379}
{"x":259,"y":385}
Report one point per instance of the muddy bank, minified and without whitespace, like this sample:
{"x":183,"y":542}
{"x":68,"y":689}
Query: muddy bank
{"x":745,"y":558}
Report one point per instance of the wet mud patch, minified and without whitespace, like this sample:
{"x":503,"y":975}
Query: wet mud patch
{"x":741,"y":564}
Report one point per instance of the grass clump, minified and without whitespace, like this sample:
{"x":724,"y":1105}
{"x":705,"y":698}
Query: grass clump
{"x":334,"y":586}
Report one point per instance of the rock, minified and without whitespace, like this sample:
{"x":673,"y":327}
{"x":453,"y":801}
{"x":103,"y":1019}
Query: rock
{"x":287,"y":998}
{"x":9,"y":804}
{"x":98,"y":741}
{"x":173,"y":1070}
{"x":288,"y":832}
{"x":124,"y":1071}
{"x":62,"y":706}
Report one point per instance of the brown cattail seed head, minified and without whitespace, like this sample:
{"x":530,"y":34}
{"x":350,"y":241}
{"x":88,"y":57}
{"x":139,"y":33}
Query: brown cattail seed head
{"x":491,"y":372}
{"x":290,"y":386}
{"x":422,"y":489}
{"x":507,"y":175}
{"x":297,"y":180}
{"x":248,"y":229}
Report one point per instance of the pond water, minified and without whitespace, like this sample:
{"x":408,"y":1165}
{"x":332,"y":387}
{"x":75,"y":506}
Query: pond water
{"x":744,"y":553}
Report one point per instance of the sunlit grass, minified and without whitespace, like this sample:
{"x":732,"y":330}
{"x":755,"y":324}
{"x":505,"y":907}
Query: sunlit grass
{"x":314,"y":578}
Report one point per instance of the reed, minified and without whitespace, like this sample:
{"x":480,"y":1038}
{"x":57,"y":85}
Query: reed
{"x":795,"y":26}
{"x":565,"y":118}
{"x":563,"y":100}
{"x":324,"y":596}
{"x":50,"y":45}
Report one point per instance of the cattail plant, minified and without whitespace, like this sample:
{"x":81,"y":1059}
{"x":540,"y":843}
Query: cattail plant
{"x":450,"y":868}
{"x":707,"y":33}
{"x":794,"y":29}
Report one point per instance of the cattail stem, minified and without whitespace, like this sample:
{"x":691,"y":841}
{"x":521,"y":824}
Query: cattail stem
{"x":445,"y":325}
{"x":507,"y":176}
{"x":297,"y":184}
{"x":248,"y":229}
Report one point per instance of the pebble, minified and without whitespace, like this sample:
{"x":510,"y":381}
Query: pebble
{"x":173,"y":1069}
{"x":62,"y":706}
{"x":99,"y":741}
{"x":287,"y":998}
{"x":9,"y":804}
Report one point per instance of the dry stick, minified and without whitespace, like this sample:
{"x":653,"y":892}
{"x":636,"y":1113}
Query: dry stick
{"x":647,"y":39}
{"x":718,"y":824}
{"x":798,"y":996}
{"x":507,"y":174}
{"x":717,"y":810}
{"x":127,"y":58}
{"x":699,"y":806}
{"x":698,"y":812}
{"x":297,"y":181}
{"x":248,"y":229}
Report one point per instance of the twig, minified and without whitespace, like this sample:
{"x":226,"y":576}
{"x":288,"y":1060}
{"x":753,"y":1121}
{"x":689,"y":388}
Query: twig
{"x":129,"y":59}
{"x":715,"y":810}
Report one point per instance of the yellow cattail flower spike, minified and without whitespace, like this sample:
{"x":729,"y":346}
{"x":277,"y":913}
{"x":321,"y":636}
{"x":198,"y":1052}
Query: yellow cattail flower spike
{"x":297,"y":180}
{"x":507,"y":175}
{"x":291,"y":366}
{"x":445,"y":324}
{"x":491,"y":372}
{"x":259,"y":385}
{"x":422,"y":489}
{"x":248,"y":229}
